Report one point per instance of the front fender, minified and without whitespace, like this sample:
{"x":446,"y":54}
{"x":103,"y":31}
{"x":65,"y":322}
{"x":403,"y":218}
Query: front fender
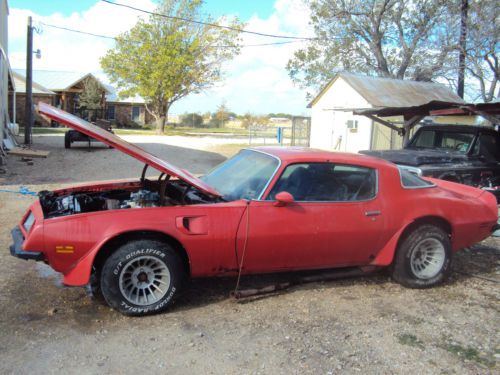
{"x":79,"y":275}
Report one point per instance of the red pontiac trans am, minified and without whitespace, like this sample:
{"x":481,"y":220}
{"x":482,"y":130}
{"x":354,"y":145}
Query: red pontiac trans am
{"x":264,"y":210}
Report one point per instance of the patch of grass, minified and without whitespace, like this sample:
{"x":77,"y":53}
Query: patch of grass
{"x":468,"y":353}
{"x":410,"y":340}
{"x":133,"y":131}
{"x":45,"y":130}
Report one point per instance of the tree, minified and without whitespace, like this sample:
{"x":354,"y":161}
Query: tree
{"x":249,"y":119}
{"x":165,"y":59}
{"x":389,"y":38}
{"x":194,"y":120}
{"x":91,"y":96}
{"x":482,"y":48}
{"x":221,"y":115}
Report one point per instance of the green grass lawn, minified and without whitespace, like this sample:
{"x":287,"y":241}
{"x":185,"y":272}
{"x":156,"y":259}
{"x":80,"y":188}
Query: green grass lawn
{"x":186,"y":131}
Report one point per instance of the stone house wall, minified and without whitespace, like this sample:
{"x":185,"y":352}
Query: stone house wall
{"x":21,"y":102}
{"x":123,"y":114}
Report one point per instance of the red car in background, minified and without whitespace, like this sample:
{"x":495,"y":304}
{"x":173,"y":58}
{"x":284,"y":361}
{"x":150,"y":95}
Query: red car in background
{"x":264,"y":210}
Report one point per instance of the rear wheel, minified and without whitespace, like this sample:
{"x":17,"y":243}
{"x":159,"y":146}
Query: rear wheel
{"x":423,"y":258}
{"x":142,"y":277}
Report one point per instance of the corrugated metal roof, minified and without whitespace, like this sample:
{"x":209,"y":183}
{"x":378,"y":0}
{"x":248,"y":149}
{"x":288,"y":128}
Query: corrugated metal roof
{"x":56,"y":80}
{"x":20,"y":83}
{"x":388,"y":92}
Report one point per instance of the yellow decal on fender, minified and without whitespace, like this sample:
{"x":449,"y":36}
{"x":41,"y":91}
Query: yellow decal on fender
{"x":65,"y":249}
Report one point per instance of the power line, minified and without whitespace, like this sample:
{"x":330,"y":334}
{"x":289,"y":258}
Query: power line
{"x":77,"y":31}
{"x":208,"y":23}
{"x":114,"y":38}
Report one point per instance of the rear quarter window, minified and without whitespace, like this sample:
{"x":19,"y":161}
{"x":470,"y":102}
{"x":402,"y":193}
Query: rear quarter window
{"x":412,"y":181}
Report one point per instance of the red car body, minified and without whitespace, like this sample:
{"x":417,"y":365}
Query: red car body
{"x":215,"y":236}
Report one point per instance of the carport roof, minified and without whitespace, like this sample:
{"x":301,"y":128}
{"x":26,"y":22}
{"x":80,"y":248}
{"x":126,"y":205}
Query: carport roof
{"x":388,"y":92}
{"x":434,"y":108}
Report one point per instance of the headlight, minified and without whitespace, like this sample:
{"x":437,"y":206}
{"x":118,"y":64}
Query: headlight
{"x":28,"y":223}
{"x":414,"y":170}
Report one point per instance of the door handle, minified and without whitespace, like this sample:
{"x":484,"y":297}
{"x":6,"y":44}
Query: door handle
{"x":373,"y":213}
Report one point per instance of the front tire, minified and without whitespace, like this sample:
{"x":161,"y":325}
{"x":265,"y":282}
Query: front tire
{"x":142,"y":277}
{"x":423,"y":258}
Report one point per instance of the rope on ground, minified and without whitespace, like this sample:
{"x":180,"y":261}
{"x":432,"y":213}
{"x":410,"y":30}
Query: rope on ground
{"x":23,"y":190}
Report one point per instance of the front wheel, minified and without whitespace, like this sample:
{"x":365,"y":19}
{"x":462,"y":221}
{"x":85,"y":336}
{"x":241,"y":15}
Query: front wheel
{"x":423,"y":258}
{"x":142,"y":277}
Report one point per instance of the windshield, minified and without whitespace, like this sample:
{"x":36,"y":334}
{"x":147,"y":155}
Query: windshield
{"x":244,"y":176}
{"x":440,"y":139}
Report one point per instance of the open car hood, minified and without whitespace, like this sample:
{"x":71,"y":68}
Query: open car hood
{"x":113,"y":140}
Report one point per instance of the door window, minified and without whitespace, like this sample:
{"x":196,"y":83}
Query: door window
{"x":317,"y":182}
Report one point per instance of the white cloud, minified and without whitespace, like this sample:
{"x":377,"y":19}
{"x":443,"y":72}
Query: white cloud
{"x":256,"y":80}
{"x":64,"y":50}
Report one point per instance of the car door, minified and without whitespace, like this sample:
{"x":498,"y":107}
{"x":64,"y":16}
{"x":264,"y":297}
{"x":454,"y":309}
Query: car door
{"x":335,"y":220}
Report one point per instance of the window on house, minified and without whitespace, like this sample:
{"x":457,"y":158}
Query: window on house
{"x":352,"y":124}
{"x":111,"y":112}
{"x":136,"y":113}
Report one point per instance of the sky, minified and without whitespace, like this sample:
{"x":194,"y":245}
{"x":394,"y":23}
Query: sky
{"x":256,"y":81}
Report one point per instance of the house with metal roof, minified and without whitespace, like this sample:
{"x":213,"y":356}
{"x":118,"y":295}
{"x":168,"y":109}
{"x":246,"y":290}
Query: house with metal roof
{"x":63,"y":89}
{"x":335,"y":127}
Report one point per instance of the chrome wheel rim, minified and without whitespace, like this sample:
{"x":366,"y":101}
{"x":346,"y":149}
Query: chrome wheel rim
{"x":427,"y":258}
{"x":144,"y":280}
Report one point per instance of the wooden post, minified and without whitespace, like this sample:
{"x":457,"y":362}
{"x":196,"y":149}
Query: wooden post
{"x":408,"y":125}
{"x":28,"y":109}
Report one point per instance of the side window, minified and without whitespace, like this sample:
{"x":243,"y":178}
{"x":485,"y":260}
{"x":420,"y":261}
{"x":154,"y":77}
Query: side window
{"x":412,"y":181}
{"x":488,"y":147}
{"x":426,"y":139}
{"x":315,"y":182}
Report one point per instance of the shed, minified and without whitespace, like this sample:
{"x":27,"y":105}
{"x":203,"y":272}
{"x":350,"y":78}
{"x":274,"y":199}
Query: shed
{"x":335,"y":127}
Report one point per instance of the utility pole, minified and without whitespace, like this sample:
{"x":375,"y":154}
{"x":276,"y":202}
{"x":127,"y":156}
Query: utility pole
{"x":29,"y":119}
{"x":462,"y":45}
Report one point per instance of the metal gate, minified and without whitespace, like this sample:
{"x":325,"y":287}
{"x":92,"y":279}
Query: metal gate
{"x":301,"y":131}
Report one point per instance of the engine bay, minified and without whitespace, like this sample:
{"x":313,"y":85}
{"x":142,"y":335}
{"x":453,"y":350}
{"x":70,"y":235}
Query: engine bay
{"x":143,"y":195}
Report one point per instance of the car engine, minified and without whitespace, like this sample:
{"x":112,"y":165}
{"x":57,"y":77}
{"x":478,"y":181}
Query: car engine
{"x":176,"y":192}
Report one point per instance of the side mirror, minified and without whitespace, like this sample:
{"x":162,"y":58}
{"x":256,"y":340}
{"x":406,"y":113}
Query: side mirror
{"x":283,"y":198}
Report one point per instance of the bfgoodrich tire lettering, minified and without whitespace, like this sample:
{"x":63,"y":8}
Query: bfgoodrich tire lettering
{"x":423,"y":258}
{"x":142,"y":277}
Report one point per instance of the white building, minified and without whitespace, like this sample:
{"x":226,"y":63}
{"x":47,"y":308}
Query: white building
{"x":6,"y":82}
{"x":333,"y":125}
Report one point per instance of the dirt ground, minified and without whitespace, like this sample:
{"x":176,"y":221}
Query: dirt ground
{"x":367,"y":325}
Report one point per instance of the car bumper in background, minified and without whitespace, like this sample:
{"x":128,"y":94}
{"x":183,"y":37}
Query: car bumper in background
{"x":16,"y":249}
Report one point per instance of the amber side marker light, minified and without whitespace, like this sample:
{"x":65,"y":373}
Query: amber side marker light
{"x":65,"y":249}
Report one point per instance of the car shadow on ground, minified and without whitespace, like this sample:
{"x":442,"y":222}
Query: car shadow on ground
{"x":478,"y":261}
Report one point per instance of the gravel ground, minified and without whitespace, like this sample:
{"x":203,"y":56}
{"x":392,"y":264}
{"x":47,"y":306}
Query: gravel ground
{"x":367,"y":325}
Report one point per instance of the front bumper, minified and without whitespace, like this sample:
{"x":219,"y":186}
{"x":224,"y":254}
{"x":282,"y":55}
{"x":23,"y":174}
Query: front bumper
{"x":16,"y":249}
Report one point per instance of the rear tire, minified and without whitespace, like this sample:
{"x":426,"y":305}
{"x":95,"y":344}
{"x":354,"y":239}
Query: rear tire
{"x":423,"y":258}
{"x":142,"y":277}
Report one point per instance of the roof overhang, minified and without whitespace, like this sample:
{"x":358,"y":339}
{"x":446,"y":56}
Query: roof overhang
{"x":407,"y":112}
